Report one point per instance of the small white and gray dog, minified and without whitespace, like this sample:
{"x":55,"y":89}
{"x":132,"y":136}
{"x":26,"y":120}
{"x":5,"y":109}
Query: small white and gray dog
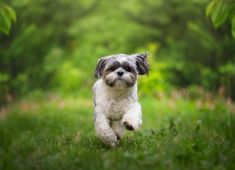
{"x":115,"y":95}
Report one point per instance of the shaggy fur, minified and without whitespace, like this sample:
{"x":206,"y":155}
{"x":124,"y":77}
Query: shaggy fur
{"x":115,"y":95}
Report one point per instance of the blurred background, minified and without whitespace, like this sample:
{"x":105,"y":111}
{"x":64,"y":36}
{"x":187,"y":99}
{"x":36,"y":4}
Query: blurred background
{"x":54,"y":45}
{"x":48,"y":53}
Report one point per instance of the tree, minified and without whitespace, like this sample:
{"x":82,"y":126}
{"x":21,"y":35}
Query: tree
{"x":195,"y":52}
{"x":42,"y":27}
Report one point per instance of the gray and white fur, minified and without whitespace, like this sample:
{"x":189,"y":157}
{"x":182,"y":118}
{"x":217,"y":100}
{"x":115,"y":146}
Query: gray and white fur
{"x":115,"y":95}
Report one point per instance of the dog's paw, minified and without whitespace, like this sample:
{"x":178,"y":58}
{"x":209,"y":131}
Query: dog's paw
{"x":131,"y":123}
{"x":129,"y":127}
{"x":113,"y":144}
{"x":110,"y":142}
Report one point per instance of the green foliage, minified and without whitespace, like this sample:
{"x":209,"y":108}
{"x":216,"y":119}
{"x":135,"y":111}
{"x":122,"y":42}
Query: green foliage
{"x":45,"y":44}
{"x":158,"y":79}
{"x":72,"y":76}
{"x":228,"y":69}
{"x":221,"y":11}
{"x":191,"y":49}
{"x":41,"y":28}
{"x":7,"y":16}
{"x":227,"y":72}
{"x":233,"y":26}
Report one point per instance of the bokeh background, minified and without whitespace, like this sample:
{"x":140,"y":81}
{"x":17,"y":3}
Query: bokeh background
{"x":48,"y":53}
{"x":54,"y":45}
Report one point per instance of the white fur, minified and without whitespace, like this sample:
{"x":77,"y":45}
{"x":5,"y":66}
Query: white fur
{"x":113,"y":107}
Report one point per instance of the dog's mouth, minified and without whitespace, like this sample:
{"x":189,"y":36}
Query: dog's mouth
{"x":119,"y":79}
{"x":120,"y":83}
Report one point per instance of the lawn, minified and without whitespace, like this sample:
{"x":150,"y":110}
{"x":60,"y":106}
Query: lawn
{"x":178,"y":132}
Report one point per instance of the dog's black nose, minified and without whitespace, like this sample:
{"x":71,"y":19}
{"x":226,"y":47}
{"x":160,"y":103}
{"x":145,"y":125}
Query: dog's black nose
{"x":120,"y":73}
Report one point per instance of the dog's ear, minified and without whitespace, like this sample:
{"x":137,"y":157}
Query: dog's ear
{"x":142,"y":63}
{"x":100,"y":67}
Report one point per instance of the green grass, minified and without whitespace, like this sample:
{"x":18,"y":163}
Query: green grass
{"x":178,"y":133}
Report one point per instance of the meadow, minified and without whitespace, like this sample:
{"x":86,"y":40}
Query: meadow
{"x":179,"y":132}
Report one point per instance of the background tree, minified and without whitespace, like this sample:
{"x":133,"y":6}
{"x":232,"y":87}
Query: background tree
{"x":55,"y":45}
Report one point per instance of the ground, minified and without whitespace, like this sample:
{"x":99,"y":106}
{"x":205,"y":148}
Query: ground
{"x":179,"y":132}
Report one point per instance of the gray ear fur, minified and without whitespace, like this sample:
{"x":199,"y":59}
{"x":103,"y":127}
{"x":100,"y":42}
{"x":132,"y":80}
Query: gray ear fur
{"x":100,"y":67}
{"x":142,"y":63}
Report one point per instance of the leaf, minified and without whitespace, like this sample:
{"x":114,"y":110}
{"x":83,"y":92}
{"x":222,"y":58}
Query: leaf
{"x":4,"y":23}
{"x":233,"y":26}
{"x":210,"y":7}
{"x":11,"y":13}
{"x":7,"y":16}
{"x":220,"y":13}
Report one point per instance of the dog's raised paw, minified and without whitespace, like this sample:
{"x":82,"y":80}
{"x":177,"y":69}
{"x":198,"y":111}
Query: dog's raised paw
{"x":129,"y":127}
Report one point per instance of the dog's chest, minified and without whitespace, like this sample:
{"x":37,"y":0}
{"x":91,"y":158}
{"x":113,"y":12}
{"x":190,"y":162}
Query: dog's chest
{"x":113,"y":104}
{"x":116,"y":108}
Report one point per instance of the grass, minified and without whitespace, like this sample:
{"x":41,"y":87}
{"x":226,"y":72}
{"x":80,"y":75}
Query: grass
{"x":178,"y":133}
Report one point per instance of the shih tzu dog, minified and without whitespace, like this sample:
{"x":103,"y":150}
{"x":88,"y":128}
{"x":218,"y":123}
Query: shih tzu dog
{"x":115,"y":95}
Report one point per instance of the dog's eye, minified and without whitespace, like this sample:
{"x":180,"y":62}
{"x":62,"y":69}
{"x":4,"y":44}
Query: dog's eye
{"x":112,"y":68}
{"x":127,"y":68}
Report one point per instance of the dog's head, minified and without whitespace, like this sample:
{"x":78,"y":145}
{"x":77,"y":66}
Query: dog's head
{"x":121,"y":70}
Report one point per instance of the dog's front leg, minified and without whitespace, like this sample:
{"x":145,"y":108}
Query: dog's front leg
{"x":132,"y":119}
{"x":104,"y":131}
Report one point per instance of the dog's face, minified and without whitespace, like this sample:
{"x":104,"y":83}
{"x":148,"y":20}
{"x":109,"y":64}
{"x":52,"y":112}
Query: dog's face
{"x":121,"y":70}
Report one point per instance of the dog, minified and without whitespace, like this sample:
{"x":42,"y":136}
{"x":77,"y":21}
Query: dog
{"x":116,"y":103}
